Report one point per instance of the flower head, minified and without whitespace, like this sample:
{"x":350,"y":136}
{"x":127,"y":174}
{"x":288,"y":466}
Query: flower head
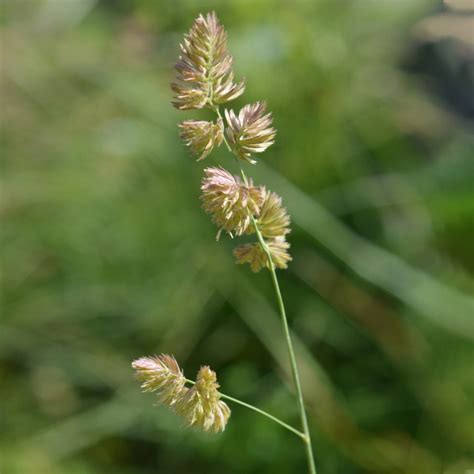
{"x":273,"y":219}
{"x":201,"y":405}
{"x":201,"y":136}
{"x":251,"y":131}
{"x":161,"y":374}
{"x":189,"y":97}
{"x":204,"y":67}
{"x":257,"y":258}
{"x":229,"y":200}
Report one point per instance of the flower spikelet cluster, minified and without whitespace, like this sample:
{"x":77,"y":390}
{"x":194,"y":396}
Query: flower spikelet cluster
{"x":161,"y":374}
{"x":199,"y":405}
{"x":273,"y":219}
{"x":204,"y":67}
{"x":256,"y":256}
{"x":201,"y":136}
{"x":229,"y":200}
{"x":236,"y":205}
{"x":273,"y":222}
{"x":250,"y":131}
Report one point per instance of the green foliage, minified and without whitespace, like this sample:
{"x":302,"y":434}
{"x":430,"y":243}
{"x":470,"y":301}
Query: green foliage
{"x":108,"y":256}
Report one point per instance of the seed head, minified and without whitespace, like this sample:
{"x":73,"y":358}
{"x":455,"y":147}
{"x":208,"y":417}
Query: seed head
{"x":257,"y":258}
{"x":201,"y":136}
{"x":251,"y":131}
{"x":161,"y":374}
{"x":229,"y":200}
{"x":273,"y":219}
{"x":204,"y":67}
{"x":201,"y":405}
{"x":189,"y":97}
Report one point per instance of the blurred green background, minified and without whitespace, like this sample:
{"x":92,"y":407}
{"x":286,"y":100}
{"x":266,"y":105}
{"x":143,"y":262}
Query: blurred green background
{"x":107,"y":256}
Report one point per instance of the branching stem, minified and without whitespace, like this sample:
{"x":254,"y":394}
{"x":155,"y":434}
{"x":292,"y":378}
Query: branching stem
{"x":261,"y":412}
{"x":289,"y":343}
{"x":305,"y":435}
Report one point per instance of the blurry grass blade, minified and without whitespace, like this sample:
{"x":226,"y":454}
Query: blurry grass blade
{"x":444,"y":306}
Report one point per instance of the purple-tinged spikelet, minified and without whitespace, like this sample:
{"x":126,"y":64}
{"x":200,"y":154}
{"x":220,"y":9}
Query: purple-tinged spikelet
{"x":204,"y":67}
{"x":251,"y":131}
{"x":229,"y":200}
{"x":161,"y":374}
{"x":201,"y":405}
{"x":254,"y":254}
{"x":201,"y":136}
{"x":273,"y":219}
